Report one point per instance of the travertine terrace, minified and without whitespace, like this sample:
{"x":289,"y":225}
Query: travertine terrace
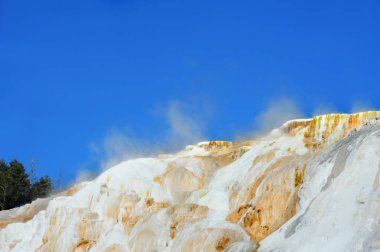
{"x":311,"y":185}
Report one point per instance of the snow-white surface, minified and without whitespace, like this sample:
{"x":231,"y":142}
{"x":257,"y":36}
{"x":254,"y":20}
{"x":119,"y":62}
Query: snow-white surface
{"x":339,"y":206}
{"x":181,"y":202}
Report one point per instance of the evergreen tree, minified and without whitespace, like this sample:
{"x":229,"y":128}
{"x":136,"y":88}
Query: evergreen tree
{"x":4,"y":184}
{"x":16,"y":189}
{"x":42,"y":187}
{"x":20,"y":185}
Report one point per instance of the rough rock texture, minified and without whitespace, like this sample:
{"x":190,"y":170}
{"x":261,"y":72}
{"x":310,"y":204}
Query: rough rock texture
{"x":311,"y":185}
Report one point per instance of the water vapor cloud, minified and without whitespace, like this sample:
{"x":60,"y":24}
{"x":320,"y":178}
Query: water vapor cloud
{"x":185,"y":124}
{"x":275,"y":114}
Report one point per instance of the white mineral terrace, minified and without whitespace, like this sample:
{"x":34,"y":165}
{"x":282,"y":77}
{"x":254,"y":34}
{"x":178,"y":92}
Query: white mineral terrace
{"x":313,"y":185}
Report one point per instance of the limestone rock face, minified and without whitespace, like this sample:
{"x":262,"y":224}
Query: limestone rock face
{"x":311,"y":185}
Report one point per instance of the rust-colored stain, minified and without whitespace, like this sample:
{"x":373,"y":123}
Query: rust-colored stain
{"x":222,"y":243}
{"x":276,"y":202}
{"x":30,"y":211}
{"x":261,"y":205}
{"x":265,"y":158}
{"x":322,"y":127}
{"x":293,"y":127}
{"x":184,"y":214}
{"x":158,"y":179}
{"x":72,"y":190}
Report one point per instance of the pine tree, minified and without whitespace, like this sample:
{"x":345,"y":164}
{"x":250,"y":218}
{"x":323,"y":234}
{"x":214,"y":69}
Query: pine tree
{"x":20,"y":185}
{"x":42,"y":187}
{"x":16,"y":189}
{"x":4,"y":184}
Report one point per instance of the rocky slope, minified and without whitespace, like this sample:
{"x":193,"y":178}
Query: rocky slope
{"x":311,"y":185}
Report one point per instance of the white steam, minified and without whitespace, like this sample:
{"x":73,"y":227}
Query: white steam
{"x":276,"y":113}
{"x":186,"y":124}
{"x":84,"y":175}
{"x":324,"y":109}
{"x":361,"y":106}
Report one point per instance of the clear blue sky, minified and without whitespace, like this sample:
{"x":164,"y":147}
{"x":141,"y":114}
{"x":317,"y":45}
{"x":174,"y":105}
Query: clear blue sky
{"x":72,"y":70}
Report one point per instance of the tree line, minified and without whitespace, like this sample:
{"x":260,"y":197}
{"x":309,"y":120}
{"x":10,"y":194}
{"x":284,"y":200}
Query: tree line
{"x":18,"y":187}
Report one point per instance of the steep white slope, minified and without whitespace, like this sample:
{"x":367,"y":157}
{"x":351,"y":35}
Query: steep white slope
{"x":339,"y":202}
{"x":311,"y":185}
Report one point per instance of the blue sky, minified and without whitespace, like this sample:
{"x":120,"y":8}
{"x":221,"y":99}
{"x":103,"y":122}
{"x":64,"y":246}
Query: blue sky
{"x":73,"y":71}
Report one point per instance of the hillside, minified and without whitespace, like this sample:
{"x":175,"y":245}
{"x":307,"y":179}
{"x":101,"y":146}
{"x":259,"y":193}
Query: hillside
{"x":311,"y":185}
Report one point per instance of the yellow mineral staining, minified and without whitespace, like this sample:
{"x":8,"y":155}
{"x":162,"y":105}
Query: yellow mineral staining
{"x":232,"y":198}
{"x":252,"y":222}
{"x":72,"y":190}
{"x":89,"y":231}
{"x":210,"y":239}
{"x":180,"y":179}
{"x":6,"y":222}
{"x":129,"y":217}
{"x":226,"y":152}
{"x":112,"y":212}
{"x":173,"y":230}
{"x":189,"y":174}
{"x":83,"y":245}
{"x":30,"y":211}
{"x":51,"y":237}
{"x":279,"y":163}
{"x":131,"y":222}
{"x":251,"y":191}
{"x":299,"y":175}
{"x":158,"y":179}
{"x":260,"y":205}
{"x":149,"y":202}
{"x":222,"y":243}
{"x":329,"y":128}
{"x":123,"y":207}
{"x":157,"y":206}
{"x":225,"y":156}
{"x":180,"y":215}
{"x":270,"y":200}
{"x":235,"y":216}
{"x":269,"y":213}
{"x":211,"y":145}
{"x":265,"y":158}
{"x":293,"y":127}
{"x":52,"y":225}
